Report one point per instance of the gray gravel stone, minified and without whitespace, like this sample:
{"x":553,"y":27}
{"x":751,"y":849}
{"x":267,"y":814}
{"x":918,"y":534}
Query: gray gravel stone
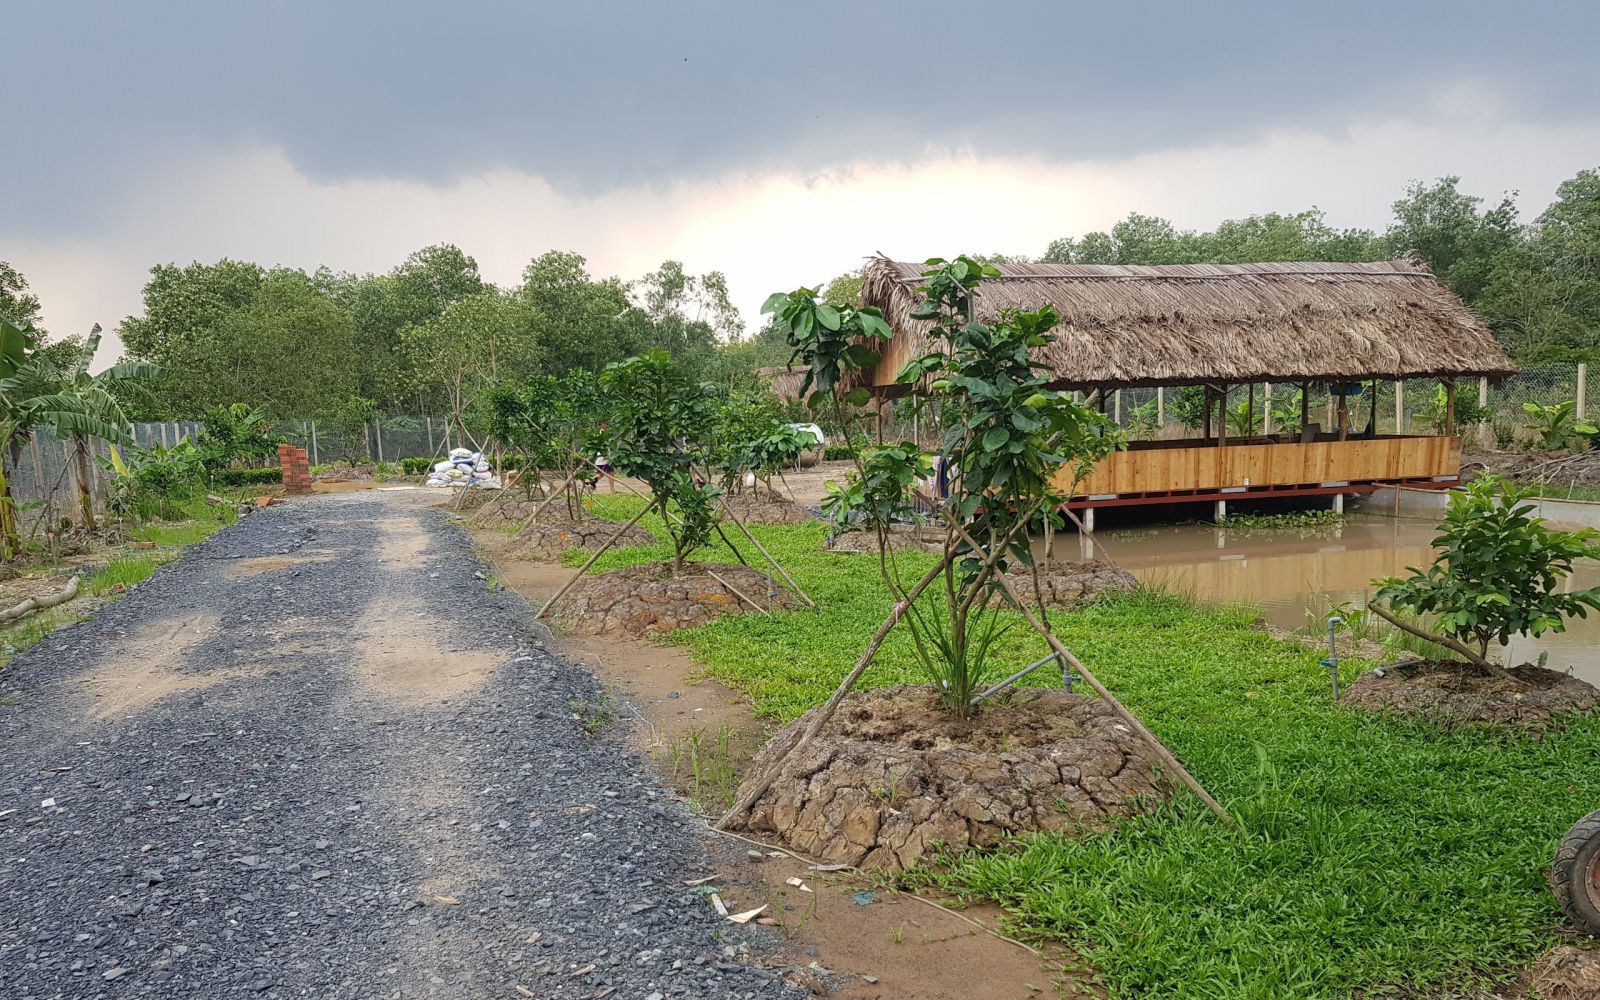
{"x":290,"y":832}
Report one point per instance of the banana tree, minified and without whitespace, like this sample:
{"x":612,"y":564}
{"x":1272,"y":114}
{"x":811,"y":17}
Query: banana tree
{"x":101,"y":413}
{"x":31,"y":396}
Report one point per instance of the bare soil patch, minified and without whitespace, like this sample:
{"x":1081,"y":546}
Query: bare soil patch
{"x":649,"y":599}
{"x":408,"y":655}
{"x":1454,"y":693}
{"x":147,"y":668}
{"x":401,"y":542}
{"x":896,"y":947}
{"x":1564,"y":973}
{"x":893,"y":773}
{"x":239,"y":569}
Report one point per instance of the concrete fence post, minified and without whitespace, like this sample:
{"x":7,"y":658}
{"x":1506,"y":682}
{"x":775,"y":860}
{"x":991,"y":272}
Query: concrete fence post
{"x":1484,"y":430}
{"x":314,"y":460}
{"x":1161,"y":407}
{"x":1116,"y":407}
{"x":1399,"y":405}
{"x":1266,"y":408}
{"x":1583,"y":389}
{"x":377,"y":435}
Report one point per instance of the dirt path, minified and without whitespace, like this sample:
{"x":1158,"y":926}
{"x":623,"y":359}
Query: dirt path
{"x":883,"y":945}
{"x":318,"y":757}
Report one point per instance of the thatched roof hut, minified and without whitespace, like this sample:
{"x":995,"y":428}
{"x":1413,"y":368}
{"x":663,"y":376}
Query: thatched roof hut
{"x":1186,"y":324}
{"x":785,"y":381}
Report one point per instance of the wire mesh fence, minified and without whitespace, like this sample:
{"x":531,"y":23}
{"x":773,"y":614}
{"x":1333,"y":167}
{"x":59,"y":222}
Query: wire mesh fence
{"x":45,"y":473}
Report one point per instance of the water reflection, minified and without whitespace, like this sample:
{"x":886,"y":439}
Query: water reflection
{"x":1291,"y":574}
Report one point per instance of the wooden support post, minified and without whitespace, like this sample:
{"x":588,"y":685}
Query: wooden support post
{"x":1222,"y":415}
{"x":1449,"y":408}
{"x":1205,"y":394}
{"x":1483,"y":414}
{"x":1167,"y":756}
{"x":1399,"y":406}
{"x":1249,"y":409}
{"x":1266,"y":408}
{"x":591,"y":561}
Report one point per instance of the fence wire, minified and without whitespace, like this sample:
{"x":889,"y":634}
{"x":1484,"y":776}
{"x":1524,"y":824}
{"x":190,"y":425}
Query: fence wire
{"x":44,"y":473}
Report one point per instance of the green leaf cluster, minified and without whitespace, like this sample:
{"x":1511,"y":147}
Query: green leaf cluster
{"x":1500,"y":571}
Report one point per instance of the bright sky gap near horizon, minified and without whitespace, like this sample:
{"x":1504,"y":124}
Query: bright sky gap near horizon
{"x":740,"y":137}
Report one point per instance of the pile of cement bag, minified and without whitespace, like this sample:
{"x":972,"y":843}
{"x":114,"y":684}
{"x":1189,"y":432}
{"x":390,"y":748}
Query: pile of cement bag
{"x":464,"y":468}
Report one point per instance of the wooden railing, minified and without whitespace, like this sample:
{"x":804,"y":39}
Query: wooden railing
{"x":1179,"y":466}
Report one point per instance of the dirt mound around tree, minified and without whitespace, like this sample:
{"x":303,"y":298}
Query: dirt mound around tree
{"x":550,"y":539}
{"x":1454,"y":693}
{"x":902,"y":538}
{"x":1072,"y":584}
{"x":648,"y":599}
{"x":767,"y":508}
{"x":894,"y":773}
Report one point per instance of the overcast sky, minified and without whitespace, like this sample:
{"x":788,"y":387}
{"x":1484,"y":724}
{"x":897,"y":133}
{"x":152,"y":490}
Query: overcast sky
{"x":779,"y":143}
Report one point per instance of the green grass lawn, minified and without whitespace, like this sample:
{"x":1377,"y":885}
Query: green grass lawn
{"x":1556,"y":491}
{"x":1373,"y":852}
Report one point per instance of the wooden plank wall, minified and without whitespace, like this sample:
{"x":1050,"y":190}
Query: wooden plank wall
{"x":1162,"y":470}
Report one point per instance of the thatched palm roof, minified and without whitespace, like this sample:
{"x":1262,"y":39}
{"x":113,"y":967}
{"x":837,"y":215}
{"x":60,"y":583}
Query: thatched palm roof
{"x":785,"y":381}
{"x":1177,"y":324}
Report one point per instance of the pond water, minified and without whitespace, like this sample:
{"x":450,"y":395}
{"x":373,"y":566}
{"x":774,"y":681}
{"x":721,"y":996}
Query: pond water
{"x":1295,"y":573}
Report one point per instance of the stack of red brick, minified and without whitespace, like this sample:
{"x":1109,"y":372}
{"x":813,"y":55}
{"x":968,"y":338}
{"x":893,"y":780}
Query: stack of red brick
{"x":296,"y":470}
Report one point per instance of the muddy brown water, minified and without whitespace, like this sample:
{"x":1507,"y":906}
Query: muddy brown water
{"x":1297,"y":576}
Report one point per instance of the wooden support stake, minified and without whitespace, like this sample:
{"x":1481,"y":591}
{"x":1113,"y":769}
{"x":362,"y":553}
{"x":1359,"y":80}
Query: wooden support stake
{"x":735,"y":591}
{"x":741,"y":807}
{"x":1449,"y":410}
{"x":1066,"y":654}
{"x":585,"y":567}
{"x":775,"y":564}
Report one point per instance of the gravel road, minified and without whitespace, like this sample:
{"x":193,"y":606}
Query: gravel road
{"x":318,"y":757}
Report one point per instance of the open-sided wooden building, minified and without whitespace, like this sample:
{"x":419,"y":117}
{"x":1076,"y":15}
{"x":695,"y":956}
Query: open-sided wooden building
{"x":1333,"y":328}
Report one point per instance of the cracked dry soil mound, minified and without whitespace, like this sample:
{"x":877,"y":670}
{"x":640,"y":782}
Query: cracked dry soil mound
{"x":647,"y":599}
{"x":1453,"y":694}
{"x":893,"y":773}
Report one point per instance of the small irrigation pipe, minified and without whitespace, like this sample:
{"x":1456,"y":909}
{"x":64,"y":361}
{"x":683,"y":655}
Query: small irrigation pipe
{"x":1019,"y":675}
{"x":1332,"y":662}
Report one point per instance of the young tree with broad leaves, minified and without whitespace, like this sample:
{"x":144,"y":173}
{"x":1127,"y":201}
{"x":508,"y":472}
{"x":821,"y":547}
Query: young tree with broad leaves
{"x":658,"y":421}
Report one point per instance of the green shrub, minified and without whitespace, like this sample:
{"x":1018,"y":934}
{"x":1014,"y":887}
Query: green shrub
{"x":248,"y":477}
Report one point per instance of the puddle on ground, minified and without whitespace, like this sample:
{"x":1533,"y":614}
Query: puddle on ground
{"x":1298,"y":575}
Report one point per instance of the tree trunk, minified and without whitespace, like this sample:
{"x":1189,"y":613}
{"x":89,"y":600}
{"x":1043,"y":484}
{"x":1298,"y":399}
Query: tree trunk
{"x":80,"y":447}
{"x":8,"y":518}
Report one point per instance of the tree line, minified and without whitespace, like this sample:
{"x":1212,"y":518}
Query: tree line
{"x":431,"y":334}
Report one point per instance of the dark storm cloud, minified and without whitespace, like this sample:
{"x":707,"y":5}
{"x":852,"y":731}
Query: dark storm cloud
{"x":597,"y":94}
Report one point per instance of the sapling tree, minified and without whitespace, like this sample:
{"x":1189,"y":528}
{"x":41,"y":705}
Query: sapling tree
{"x":548,"y":421}
{"x":1499,"y":574}
{"x":658,"y":420}
{"x":1007,"y":436}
